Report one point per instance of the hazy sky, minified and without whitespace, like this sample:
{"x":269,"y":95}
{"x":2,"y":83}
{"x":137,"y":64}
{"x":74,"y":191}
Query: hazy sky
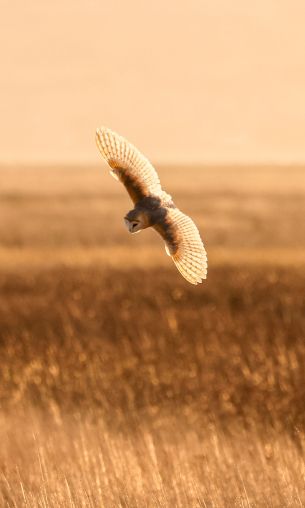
{"x":186,"y":81}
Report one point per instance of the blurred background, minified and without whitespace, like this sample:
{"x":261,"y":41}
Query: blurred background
{"x":197,"y":82}
{"x":121,"y":384}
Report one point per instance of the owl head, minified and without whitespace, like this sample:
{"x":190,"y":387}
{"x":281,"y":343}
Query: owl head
{"x":135,"y":221}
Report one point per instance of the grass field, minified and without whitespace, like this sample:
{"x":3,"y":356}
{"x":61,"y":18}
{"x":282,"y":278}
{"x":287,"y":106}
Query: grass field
{"x":121,"y":385}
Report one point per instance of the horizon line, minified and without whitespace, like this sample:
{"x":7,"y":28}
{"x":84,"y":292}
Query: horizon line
{"x":182,"y":164}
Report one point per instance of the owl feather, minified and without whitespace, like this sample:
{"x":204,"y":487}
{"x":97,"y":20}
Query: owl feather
{"x":181,"y":236}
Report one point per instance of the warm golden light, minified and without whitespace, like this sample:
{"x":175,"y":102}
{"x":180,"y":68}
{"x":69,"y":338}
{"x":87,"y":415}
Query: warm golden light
{"x":123,"y":381}
{"x":195,"y":81}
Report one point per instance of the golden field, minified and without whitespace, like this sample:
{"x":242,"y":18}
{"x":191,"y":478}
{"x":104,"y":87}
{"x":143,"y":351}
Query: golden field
{"x":124,"y":386}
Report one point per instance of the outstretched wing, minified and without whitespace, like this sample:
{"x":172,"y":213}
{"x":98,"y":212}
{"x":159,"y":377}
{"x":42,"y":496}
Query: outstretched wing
{"x":184,"y":245}
{"x":129,"y":166}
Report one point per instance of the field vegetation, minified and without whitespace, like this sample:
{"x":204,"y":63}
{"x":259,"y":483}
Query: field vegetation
{"x":121,"y":385}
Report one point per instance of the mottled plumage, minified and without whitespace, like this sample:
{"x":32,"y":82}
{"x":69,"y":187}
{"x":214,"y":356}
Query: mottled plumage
{"x":153,"y":206}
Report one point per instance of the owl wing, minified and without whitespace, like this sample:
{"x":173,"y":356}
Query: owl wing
{"x":184,"y":245}
{"x":129,"y":166}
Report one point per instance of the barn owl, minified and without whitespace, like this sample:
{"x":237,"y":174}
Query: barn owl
{"x":153,"y":207}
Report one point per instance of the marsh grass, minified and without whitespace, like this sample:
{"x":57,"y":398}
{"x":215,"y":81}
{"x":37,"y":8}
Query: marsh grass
{"x":179,"y":397}
{"x":123,"y":386}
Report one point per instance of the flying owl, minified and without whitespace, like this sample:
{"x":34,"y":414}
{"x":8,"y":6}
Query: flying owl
{"x":153,"y":207}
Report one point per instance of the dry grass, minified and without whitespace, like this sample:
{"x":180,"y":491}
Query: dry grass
{"x":122,"y":385}
{"x":178,"y":462}
{"x":235,"y":208}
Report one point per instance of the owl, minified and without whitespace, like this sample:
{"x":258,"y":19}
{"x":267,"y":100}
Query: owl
{"x":153,"y":207}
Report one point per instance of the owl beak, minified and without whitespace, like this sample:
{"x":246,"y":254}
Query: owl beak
{"x":129,"y":225}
